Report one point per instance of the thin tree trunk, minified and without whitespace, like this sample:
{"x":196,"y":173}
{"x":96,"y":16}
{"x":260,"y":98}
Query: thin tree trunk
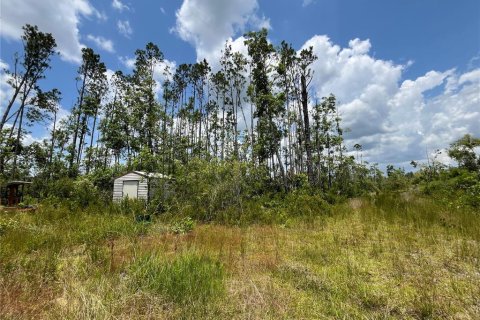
{"x":17,"y":142}
{"x":53,"y":137}
{"x":14,"y":97}
{"x":91,"y":140}
{"x":77,"y":123}
{"x":306,"y":122}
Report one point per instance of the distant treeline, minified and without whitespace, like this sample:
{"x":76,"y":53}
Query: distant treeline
{"x":256,"y":110}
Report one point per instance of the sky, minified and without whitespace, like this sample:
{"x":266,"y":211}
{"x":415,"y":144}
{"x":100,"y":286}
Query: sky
{"x":406,"y":73}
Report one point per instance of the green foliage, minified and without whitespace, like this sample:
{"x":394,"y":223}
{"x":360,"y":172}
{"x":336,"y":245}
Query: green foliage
{"x":455,"y":187}
{"x":189,"y":279}
{"x":396,"y":179}
{"x":182,"y":226}
{"x":233,"y":192}
{"x":463,"y":152}
{"x":203,"y":189}
{"x":131,"y":207}
{"x":84,"y":192}
{"x":61,"y":188}
{"x":425,"y":213}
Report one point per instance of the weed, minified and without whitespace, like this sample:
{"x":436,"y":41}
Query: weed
{"x":183,"y":226}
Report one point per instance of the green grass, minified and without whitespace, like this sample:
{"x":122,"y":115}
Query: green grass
{"x":394,"y":256}
{"x":189,"y":279}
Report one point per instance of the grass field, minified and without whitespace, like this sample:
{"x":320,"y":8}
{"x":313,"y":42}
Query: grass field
{"x":389,"y":257}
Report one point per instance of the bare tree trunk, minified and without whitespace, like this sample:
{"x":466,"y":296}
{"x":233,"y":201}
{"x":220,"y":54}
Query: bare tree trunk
{"x":77,"y":123}
{"x":53,"y":137}
{"x":15,"y":94}
{"x":91,"y":140}
{"x":17,"y":142}
{"x":306,"y":122}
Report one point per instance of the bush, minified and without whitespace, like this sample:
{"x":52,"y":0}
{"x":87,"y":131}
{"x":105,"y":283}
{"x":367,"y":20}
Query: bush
{"x":182,"y":226}
{"x":456,"y":186}
{"x":303,"y":204}
{"x":203,"y":190}
{"x":84,"y":192}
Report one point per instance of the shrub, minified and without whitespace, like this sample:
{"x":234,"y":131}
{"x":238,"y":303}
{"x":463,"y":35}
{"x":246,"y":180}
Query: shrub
{"x":182,"y":226}
{"x":84,"y":192}
{"x":303,"y":204}
{"x":202,"y":190}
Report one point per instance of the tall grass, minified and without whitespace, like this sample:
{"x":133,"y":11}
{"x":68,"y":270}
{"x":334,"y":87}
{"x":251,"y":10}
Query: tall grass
{"x":423,"y":213}
{"x":189,"y":279}
{"x":384,"y":257}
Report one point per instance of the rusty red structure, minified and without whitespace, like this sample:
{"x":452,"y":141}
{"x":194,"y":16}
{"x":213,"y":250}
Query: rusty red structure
{"x":13,"y":193}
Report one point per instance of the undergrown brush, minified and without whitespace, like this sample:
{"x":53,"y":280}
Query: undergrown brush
{"x":396,"y":255}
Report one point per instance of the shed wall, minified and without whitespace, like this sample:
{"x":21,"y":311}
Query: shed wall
{"x":142,"y":186}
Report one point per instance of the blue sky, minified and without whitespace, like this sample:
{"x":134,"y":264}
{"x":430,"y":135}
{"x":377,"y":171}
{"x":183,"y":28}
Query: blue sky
{"x":406,"y":73}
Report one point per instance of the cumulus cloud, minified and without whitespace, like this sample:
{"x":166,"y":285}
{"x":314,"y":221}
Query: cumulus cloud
{"x":129,"y":63}
{"x":124,"y":28}
{"x":118,"y":5}
{"x":361,"y":83}
{"x":207,"y":24}
{"x":102,"y":42}
{"x":61,"y":18}
{"x":6,"y":91}
{"x":395,"y":120}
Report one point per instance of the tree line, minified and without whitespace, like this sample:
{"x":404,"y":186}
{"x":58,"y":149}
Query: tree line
{"x":256,"y":109}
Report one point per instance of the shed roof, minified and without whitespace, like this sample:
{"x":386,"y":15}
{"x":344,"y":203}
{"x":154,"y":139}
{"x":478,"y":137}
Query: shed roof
{"x":145,"y":174}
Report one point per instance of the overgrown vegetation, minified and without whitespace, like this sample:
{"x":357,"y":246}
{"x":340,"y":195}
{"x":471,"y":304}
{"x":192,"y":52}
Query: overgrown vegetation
{"x":399,"y":255}
{"x":255,"y":114}
{"x":267,"y":214}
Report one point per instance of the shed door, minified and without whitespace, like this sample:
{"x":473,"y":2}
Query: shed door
{"x":130,"y":189}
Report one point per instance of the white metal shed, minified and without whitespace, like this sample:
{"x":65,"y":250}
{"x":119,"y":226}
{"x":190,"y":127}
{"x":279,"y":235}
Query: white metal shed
{"x":135,"y":185}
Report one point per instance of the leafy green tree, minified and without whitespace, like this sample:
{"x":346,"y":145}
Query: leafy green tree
{"x":463,"y":151}
{"x":38,"y":49}
{"x":116,"y":126}
{"x":269,"y":106}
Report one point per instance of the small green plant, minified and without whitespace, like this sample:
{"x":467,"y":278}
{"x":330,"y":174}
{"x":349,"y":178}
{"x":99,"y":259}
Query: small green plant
{"x":183,"y":226}
{"x":7,"y":224}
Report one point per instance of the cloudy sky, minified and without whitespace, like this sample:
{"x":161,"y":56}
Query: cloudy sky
{"x":406,"y":73}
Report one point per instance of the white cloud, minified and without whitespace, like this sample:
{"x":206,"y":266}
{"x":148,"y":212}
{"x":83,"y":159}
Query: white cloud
{"x":102,"y":42}
{"x":129,"y":63}
{"x":6,"y":91}
{"x":362,"y":84}
{"x":306,"y":3}
{"x":163,"y":71}
{"x":207,"y":24}
{"x":472,"y":76}
{"x":395,"y":120}
{"x":118,"y":5}
{"x":3,"y":65}
{"x":124,"y":28}
{"x":61,"y":18}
